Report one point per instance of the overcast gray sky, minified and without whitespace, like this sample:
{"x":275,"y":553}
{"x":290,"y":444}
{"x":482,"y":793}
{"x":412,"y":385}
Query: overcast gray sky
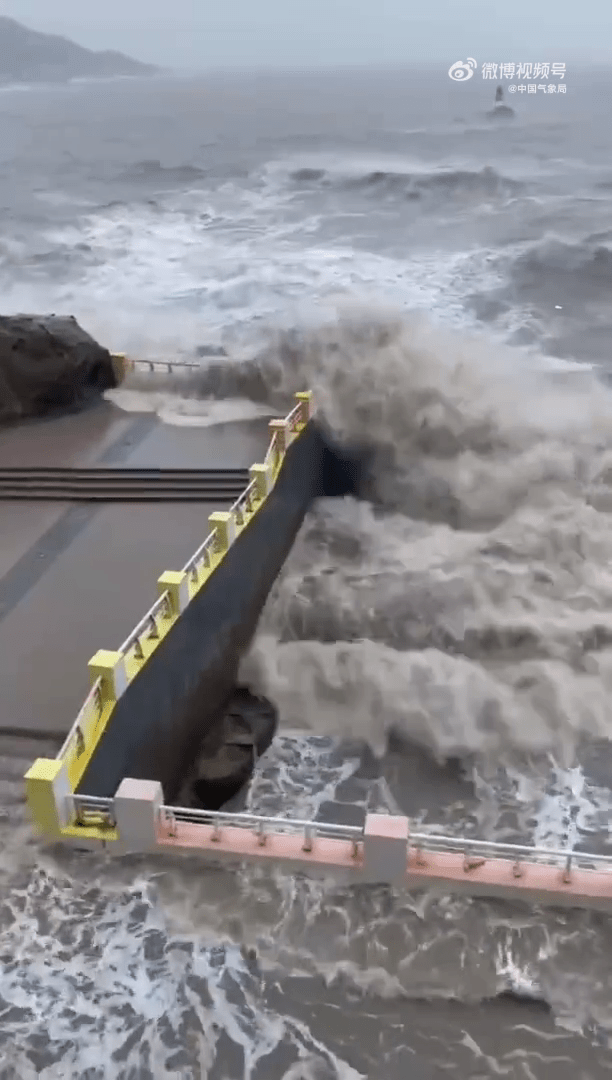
{"x":307,"y":33}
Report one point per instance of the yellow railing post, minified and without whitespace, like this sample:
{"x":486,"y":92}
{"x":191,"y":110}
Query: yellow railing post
{"x":47,"y":789}
{"x":176,"y":584}
{"x":261,"y":475}
{"x":278,"y":428}
{"x":225,"y":527}
{"x":109,"y":666}
{"x":305,"y":399}
{"x":121,"y":365}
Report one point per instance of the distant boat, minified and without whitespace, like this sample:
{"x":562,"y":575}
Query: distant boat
{"x":500,"y":111}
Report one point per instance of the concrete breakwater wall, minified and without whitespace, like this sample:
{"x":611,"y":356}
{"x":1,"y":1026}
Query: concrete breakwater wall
{"x":165,"y":690}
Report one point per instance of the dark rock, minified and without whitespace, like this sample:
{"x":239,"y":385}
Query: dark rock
{"x":501,"y":112}
{"x":247,"y":730}
{"x":308,"y":175}
{"x":346,"y":470}
{"x":49,"y":363}
{"x":525,"y":335}
{"x":210,"y":350}
{"x":519,"y":996}
{"x":487,"y":308}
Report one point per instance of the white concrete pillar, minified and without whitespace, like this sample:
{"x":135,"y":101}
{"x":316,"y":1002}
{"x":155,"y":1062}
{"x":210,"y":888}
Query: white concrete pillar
{"x":137,"y":808}
{"x":385,"y":848}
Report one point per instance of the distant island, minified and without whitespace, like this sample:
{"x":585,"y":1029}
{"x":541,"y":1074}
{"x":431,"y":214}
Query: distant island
{"x":27,"y":56}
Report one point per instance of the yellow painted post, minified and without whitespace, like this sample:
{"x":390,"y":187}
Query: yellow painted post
{"x":121,"y":365}
{"x":176,"y":584}
{"x":225,"y":527}
{"x":109,"y":666}
{"x":261,"y":476}
{"x":279,"y":428}
{"x":47,"y":788}
{"x":305,"y":397}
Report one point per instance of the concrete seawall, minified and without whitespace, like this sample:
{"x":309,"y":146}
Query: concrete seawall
{"x":181,"y":694}
{"x":77,"y":577}
{"x":74,"y":579}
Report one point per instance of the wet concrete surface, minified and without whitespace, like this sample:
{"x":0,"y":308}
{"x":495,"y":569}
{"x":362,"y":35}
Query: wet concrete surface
{"x":101,"y":434}
{"x":224,"y":446}
{"x":71,"y":439}
{"x":76,"y":579}
{"x":16,"y":756}
{"x":22,"y":524}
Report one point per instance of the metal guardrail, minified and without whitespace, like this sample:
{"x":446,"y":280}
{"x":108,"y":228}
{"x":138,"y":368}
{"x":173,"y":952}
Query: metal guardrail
{"x":294,"y":420}
{"x":165,"y":366}
{"x":168,"y":366}
{"x":147,"y":627}
{"x":201,"y":559}
{"x":245,"y":504}
{"x":89,"y":810}
{"x":82,"y":731}
{"x":272,"y":456}
{"x":493,"y":849}
{"x":419,"y":843}
{"x":260,"y":825}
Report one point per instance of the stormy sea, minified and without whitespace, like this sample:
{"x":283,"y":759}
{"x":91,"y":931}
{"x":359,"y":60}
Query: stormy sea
{"x":443,"y":284}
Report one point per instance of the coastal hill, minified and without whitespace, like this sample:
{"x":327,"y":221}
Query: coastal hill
{"x":27,"y":56}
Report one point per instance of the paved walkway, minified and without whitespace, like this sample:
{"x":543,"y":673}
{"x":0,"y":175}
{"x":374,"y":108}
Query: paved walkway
{"x":74,"y":579}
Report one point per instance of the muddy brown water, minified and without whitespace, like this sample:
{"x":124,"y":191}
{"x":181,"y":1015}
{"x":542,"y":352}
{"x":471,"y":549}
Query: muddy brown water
{"x":185,"y":972}
{"x":388,"y":185}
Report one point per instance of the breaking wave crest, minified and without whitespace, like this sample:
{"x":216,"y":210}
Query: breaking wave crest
{"x":445,"y":184}
{"x":578,"y":272}
{"x":467,"y":607}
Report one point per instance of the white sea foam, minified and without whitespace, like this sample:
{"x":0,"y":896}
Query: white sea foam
{"x":467,"y":611}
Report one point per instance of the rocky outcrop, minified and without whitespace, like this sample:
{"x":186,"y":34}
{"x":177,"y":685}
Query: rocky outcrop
{"x":222,"y":771}
{"x":29,"y":56}
{"x":48,"y":363}
{"x":501,"y":112}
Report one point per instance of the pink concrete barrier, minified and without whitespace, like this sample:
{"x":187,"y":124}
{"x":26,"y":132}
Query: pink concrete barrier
{"x":383,"y":852}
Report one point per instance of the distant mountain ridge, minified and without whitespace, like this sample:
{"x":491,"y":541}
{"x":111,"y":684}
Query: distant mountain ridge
{"x":28,"y":56}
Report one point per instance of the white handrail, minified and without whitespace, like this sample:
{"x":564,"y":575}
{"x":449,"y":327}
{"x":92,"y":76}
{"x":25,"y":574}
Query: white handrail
{"x":495,"y":849}
{"x":93,"y":695}
{"x":198,"y":555}
{"x":145,"y":623}
{"x":94,"y":806}
{"x":295,"y":414}
{"x":257,"y":821}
